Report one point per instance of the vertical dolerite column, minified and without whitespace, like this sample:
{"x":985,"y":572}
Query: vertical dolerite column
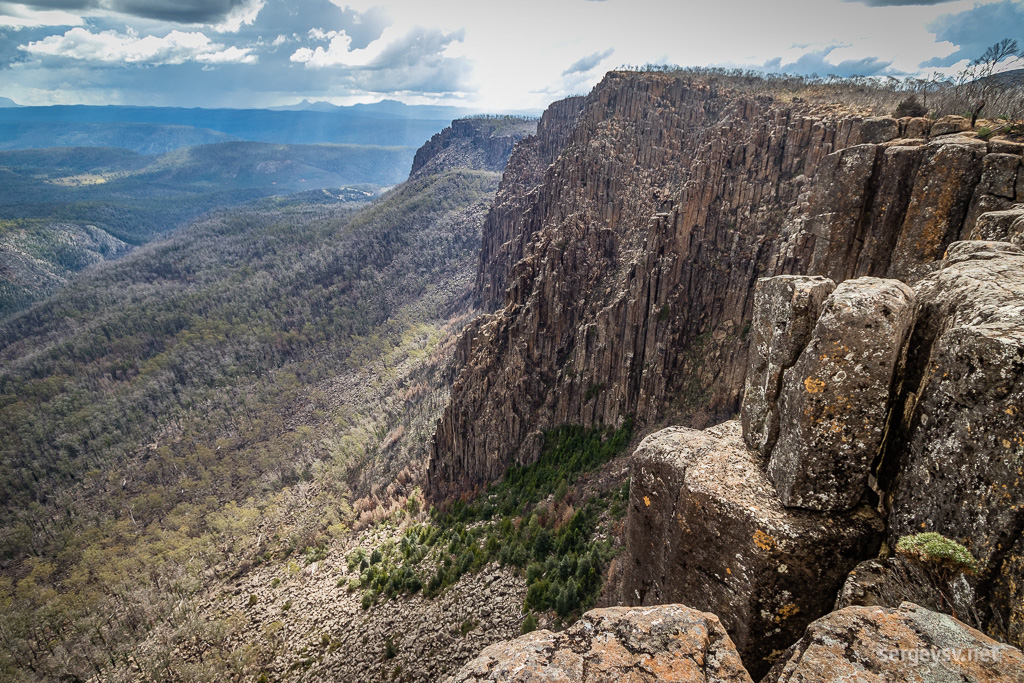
{"x":962,"y":441}
{"x":835,"y":399}
{"x":786,"y":309}
{"x":944,"y":185}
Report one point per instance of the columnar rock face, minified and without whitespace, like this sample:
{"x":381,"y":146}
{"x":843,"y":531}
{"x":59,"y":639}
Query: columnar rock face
{"x":905,"y":644}
{"x":706,"y":529}
{"x":786,"y":309}
{"x":620,"y":258}
{"x":949,"y":172}
{"x":960,"y":446}
{"x":517,"y":204}
{"x":666,"y":643}
{"x":835,"y":399}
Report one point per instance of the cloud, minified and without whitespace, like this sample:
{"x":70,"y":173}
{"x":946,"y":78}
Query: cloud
{"x":227,"y":13}
{"x":973,"y":30}
{"x":585,"y":64}
{"x":392,"y":49}
{"x":18,"y":16}
{"x":110,"y":47}
{"x":816,"y":62}
{"x":415,"y":61}
{"x":241,"y":15}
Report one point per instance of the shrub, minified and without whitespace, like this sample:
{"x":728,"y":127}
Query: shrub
{"x":529,"y":624}
{"x":390,"y":650}
{"x":252,"y":599}
{"x":985,"y":132}
{"x":942,"y":559}
{"x":938,"y":552}
{"x":910,"y":107}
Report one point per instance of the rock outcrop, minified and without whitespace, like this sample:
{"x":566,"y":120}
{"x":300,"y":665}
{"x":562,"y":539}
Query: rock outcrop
{"x":835,"y":399}
{"x":481,"y":143}
{"x":891,"y":581}
{"x":706,"y":529}
{"x":905,"y":644}
{"x":618,"y":275}
{"x":619,"y":261}
{"x":959,"y":449}
{"x":667,"y":643}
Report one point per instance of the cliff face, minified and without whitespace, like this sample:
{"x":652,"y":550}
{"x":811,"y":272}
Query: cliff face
{"x":482,"y":144}
{"x":620,"y":277}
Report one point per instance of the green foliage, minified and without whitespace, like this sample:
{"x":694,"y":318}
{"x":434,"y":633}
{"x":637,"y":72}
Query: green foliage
{"x":253,"y":599}
{"x":984,"y":132}
{"x":555,"y":544}
{"x":467,"y":626}
{"x":390,"y":649}
{"x":317,"y":554}
{"x":938,"y":551}
{"x":529,"y":624}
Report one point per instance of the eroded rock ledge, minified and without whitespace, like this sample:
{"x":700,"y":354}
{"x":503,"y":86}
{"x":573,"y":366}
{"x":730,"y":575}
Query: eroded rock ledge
{"x":706,"y":529}
{"x":862,"y":397}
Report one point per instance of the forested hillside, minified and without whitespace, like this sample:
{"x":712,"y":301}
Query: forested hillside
{"x":64,"y":209}
{"x":244,"y":390}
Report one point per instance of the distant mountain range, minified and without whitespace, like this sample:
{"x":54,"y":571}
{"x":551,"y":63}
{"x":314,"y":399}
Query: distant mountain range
{"x":6,"y":102}
{"x":155,"y":130}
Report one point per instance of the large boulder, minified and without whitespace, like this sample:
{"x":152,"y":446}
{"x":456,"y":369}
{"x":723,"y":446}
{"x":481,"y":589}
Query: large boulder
{"x":785,"y":311}
{"x":665,"y":643}
{"x":949,"y":125}
{"x":959,"y":452}
{"x":891,"y":645}
{"x":835,"y":399}
{"x":706,"y":528}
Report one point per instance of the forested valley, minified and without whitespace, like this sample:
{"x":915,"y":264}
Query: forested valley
{"x":250,"y":388}
{"x":65,"y":209}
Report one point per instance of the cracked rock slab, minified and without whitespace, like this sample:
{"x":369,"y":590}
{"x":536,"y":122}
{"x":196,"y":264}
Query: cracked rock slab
{"x":786,"y":308}
{"x":835,"y":399}
{"x":638,"y":645}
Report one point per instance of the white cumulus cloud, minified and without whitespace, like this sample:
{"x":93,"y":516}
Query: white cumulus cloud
{"x":111,"y":47}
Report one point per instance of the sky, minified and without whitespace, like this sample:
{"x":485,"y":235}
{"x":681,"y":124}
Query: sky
{"x":487,"y":55}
